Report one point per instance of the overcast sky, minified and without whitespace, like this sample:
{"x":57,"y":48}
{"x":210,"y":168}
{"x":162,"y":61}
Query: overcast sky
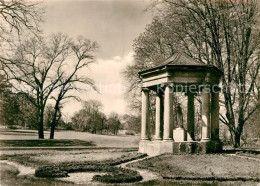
{"x":114,"y":24}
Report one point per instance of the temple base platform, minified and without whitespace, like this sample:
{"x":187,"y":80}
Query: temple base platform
{"x":158,"y":147}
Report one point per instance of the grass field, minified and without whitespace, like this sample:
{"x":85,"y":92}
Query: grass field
{"x":55,"y":156}
{"x":9,"y":176}
{"x":205,"y":166}
{"x":23,"y":147}
{"x":120,"y":141}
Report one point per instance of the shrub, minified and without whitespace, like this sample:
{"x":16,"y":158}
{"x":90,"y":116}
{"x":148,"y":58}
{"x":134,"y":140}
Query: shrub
{"x":131,"y":133}
{"x":50,"y":172}
{"x":118,"y":175}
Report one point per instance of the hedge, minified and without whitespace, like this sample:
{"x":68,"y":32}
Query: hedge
{"x":116,"y":174}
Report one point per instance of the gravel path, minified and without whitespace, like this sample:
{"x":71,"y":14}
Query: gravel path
{"x":82,"y":178}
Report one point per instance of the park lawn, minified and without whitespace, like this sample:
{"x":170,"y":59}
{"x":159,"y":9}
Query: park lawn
{"x":45,"y":143}
{"x":109,"y":141}
{"x":49,"y":157}
{"x":9,"y":176}
{"x":193,"y":183}
{"x":193,"y":166}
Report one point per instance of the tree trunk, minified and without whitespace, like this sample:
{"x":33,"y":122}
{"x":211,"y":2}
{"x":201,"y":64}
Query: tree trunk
{"x":40,"y":110}
{"x":52,"y":130}
{"x":237,"y":136}
{"x":54,"y":120}
{"x":40,"y":127}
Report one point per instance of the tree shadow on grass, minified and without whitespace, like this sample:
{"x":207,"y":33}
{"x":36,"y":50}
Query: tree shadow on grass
{"x":44,"y":143}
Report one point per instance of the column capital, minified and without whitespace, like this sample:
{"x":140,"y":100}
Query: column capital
{"x":191,"y":93}
{"x":144,"y":89}
{"x":171,"y":85}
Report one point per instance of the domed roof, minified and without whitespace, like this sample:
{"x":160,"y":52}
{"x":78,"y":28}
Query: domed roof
{"x":180,"y":69}
{"x":180,"y":58}
{"x":179,"y":61}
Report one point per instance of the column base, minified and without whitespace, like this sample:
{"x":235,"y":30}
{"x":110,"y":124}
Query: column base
{"x":167,"y":139}
{"x":205,"y":140}
{"x":144,"y":139}
{"x":189,"y":138}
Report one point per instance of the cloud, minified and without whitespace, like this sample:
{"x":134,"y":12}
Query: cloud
{"x":107,"y":74}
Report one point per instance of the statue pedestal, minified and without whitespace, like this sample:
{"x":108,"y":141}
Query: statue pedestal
{"x":179,"y":134}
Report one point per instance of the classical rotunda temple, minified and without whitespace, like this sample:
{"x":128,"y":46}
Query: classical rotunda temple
{"x":181,"y":73}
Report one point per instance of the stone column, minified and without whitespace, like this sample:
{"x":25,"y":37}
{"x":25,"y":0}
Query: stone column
{"x":168,"y":112}
{"x":145,"y":113}
{"x":190,"y":117}
{"x":158,"y":113}
{"x":205,"y":95}
{"x":215,"y":114}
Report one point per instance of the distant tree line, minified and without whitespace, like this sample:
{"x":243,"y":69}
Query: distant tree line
{"x":91,"y":119}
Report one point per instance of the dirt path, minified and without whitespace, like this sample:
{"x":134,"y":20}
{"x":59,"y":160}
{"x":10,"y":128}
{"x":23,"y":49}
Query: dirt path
{"x":146,"y":174}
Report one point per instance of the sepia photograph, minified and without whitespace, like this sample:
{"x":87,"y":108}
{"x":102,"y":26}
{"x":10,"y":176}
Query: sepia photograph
{"x":130,"y":92}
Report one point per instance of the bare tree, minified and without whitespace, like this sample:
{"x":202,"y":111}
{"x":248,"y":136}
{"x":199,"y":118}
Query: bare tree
{"x":17,"y":17}
{"x":40,"y":68}
{"x":84,"y":50}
